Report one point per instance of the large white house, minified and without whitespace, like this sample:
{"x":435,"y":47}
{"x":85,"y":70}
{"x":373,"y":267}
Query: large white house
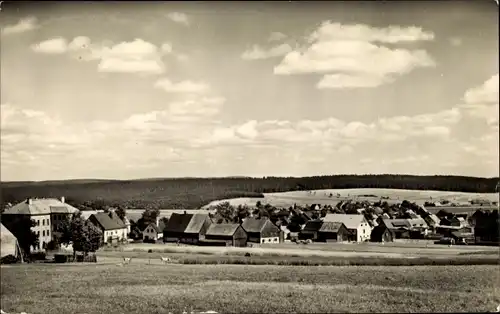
{"x":112,"y":227}
{"x":357,"y":225}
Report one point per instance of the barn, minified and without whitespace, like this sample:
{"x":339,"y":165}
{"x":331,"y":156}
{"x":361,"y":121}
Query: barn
{"x":382,"y":234}
{"x":333,"y":232}
{"x":186,"y":228}
{"x":310,"y":230}
{"x":261,"y":230}
{"x":226,"y":234}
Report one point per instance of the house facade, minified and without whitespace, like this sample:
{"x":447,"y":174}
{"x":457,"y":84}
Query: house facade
{"x":48,"y":214}
{"x":112,"y":227}
{"x":261,"y":230}
{"x":358,"y":226}
{"x":310,"y":230}
{"x":154,"y":231}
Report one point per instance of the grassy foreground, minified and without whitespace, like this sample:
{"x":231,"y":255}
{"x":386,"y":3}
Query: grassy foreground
{"x":143,"y":288}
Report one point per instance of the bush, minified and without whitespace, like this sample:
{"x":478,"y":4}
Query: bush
{"x":9,"y":259}
{"x":60,"y":258}
{"x":38,"y":256}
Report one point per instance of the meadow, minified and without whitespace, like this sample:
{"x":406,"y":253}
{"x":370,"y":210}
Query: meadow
{"x":140,"y":288}
{"x":287,"y":199}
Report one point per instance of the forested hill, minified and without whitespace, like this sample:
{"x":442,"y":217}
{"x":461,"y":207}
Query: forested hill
{"x":196,"y":192}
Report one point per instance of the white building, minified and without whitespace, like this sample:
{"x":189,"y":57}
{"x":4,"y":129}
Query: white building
{"x":357,"y":225}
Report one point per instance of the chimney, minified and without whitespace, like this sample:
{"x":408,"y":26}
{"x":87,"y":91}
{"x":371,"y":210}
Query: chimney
{"x":63,"y":199}
{"x":185,"y":212}
{"x":158,"y":220}
{"x":29,"y":201}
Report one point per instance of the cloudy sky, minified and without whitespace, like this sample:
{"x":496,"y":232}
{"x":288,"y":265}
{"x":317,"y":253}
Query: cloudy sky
{"x":287,"y":88}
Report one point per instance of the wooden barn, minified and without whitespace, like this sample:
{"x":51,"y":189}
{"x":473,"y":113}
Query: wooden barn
{"x":333,"y":232}
{"x":400,"y":227}
{"x":225,"y":235}
{"x":261,"y":230}
{"x":310,"y":230}
{"x":382,"y":234}
{"x":186,"y":228}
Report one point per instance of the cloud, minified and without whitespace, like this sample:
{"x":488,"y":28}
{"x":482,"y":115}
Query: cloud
{"x":352,"y":55}
{"x":277,"y":36}
{"x":486,"y":93}
{"x":182,"y":87}
{"x":455,"y":41}
{"x":137,"y":56}
{"x":24,"y":25}
{"x":56,"y":45}
{"x":329,"y":31}
{"x":179,"y":17}
{"x":257,"y":53}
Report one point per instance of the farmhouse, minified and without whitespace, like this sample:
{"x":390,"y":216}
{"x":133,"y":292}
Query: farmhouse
{"x":48,"y":213}
{"x":333,"y":232}
{"x":154,"y":231}
{"x":112,"y":227}
{"x":357,"y":225}
{"x":225,"y":235}
{"x":418,"y":227}
{"x":310,"y":230}
{"x":186,"y":228}
{"x":261,"y":230}
{"x":399,"y":227}
{"x":382,"y":234}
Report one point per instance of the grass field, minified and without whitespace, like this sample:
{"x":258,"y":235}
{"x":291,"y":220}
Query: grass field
{"x":287,"y":199}
{"x":256,"y":289}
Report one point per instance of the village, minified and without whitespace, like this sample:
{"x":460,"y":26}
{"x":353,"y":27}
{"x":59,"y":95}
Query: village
{"x":242,"y":226}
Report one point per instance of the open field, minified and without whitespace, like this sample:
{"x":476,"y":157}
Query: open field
{"x":287,"y":199}
{"x":256,"y":289}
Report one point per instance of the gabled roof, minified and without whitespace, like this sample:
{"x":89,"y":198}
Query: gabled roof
{"x":158,"y":228}
{"x":106,"y":222}
{"x":196,"y":223}
{"x":312,"y":225}
{"x":252,"y":224}
{"x":222,"y":229}
{"x":329,"y":226}
{"x":187,"y":223}
{"x":350,"y":221}
{"x":40,"y":206}
{"x":417,"y":223}
{"x":396,"y":224}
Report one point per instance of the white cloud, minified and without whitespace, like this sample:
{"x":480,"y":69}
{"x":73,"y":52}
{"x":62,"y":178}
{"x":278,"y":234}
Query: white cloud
{"x":56,"y":45}
{"x":329,"y":31}
{"x":486,"y":93}
{"x":24,"y":25}
{"x":456,"y":41}
{"x":257,"y":53}
{"x":179,"y":17}
{"x":182,"y":87}
{"x":276,"y":36}
{"x":349,"y":56}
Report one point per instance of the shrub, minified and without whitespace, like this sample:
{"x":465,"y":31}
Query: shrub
{"x":60,"y":258}
{"x":9,"y":259}
{"x":38,"y":256}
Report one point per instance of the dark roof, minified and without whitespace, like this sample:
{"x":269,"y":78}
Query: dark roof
{"x":222,"y":229}
{"x":108,"y":223}
{"x":313,"y":225}
{"x":178,"y":222}
{"x":330,"y":226}
{"x":378,"y":231}
{"x":187,"y":223}
{"x":252,"y":224}
{"x":397,"y":223}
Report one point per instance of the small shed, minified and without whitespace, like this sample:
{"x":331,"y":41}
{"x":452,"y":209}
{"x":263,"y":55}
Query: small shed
{"x":230,"y":234}
{"x":333,"y":232}
{"x":310,"y":230}
{"x":382,"y":234}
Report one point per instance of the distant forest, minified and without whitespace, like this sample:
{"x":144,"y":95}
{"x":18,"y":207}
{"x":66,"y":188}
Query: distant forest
{"x":196,"y":192}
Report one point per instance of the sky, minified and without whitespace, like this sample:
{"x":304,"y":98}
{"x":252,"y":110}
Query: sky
{"x":202,"y":89}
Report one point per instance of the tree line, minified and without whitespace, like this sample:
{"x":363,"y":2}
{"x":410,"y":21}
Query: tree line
{"x":196,"y":192}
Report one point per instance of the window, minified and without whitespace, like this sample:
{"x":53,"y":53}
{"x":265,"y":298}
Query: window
{"x":43,"y":222}
{"x":43,"y":233}
{"x":38,"y":233}
{"x":38,"y":222}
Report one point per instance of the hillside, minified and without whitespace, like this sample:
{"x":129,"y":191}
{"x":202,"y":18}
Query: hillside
{"x":196,"y":192}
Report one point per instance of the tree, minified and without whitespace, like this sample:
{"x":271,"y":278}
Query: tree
{"x":85,"y":236}
{"x":26,"y":237}
{"x":121,"y":212}
{"x":258,"y":204}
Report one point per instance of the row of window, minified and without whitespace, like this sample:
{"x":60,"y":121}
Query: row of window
{"x":44,"y":222}
{"x":44,"y":233}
